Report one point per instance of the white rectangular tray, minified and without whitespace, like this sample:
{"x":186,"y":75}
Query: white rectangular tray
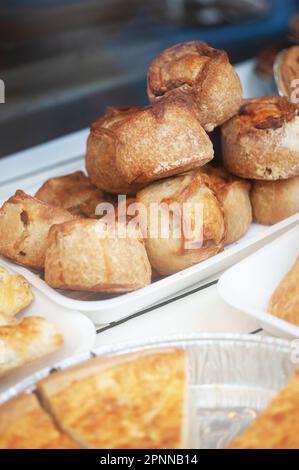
{"x":77,"y":329}
{"x":249,"y":285}
{"x":119,"y":307}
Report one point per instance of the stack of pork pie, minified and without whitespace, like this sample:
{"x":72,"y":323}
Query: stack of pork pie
{"x":155,"y":155}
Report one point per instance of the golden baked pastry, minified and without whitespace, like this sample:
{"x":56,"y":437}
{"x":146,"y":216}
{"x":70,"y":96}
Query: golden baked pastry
{"x":82,"y":255}
{"x":201,"y":73}
{"x":126,"y":402}
{"x":277,"y":426}
{"x":15,"y":295}
{"x":101,"y":152}
{"x":24,"y":424}
{"x":273,"y":201}
{"x":234,"y":195}
{"x":74,"y":192}
{"x":27,"y":340}
{"x":287,"y":73}
{"x":160,"y":140}
{"x":261,"y":142}
{"x":177,"y":250}
{"x":24,"y":227}
{"x":284,"y":302}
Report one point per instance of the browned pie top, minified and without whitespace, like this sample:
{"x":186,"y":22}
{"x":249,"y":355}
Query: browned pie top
{"x":288,"y":70}
{"x":181,"y":65}
{"x":113,"y":117}
{"x":267,"y":112}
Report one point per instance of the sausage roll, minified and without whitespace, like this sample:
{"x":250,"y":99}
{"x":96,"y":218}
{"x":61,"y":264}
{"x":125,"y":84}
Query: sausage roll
{"x":24,"y":424}
{"x":284,"y":302}
{"x":188,"y":209}
{"x":15,"y":295}
{"x":197,"y":71}
{"x":92,"y":256}
{"x":134,"y":401}
{"x":273,"y":201}
{"x":74,"y":192}
{"x":24,"y":225}
{"x":261,"y":142}
{"x":29,"y":339}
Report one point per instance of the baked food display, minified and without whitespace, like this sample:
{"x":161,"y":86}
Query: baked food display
{"x":27,"y":340}
{"x":15,"y":295}
{"x":201,"y":73}
{"x":24,"y":424}
{"x":24,"y":225}
{"x":127,"y":402}
{"x":260,"y":141}
{"x":101,"y":152}
{"x":284,"y":302}
{"x":74,"y":192}
{"x":287,"y":72}
{"x":277,"y":426}
{"x":273,"y":201}
{"x":90,"y":255}
{"x":234,"y":194}
{"x":176,"y":250}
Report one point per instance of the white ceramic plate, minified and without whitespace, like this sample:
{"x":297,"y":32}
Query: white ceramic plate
{"x":77,"y":329}
{"x":249,"y":285}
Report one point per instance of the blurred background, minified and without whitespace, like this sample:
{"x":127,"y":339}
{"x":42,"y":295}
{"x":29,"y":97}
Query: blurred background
{"x":63,"y":61}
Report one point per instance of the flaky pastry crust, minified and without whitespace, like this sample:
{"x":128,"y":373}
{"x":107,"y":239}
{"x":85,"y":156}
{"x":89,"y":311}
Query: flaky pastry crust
{"x":277,"y":426}
{"x":262,"y":141}
{"x":101,"y":152}
{"x":201,"y":73}
{"x":171,"y":254}
{"x":234,"y":196}
{"x":132,"y":401}
{"x":73,"y":192}
{"x":273,"y":201}
{"x":161,"y":140}
{"x":24,"y":424}
{"x":287,"y":70}
{"x":80,"y":256}
{"x":15,"y":295}
{"x":24,"y":225}
{"x":284,"y":302}
{"x":27,"y":340}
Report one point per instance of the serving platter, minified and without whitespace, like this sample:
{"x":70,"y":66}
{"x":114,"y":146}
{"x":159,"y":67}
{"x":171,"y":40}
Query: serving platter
{"x":77,"y":329}
{"x":249,"y":284}
{"x":231,"y":379}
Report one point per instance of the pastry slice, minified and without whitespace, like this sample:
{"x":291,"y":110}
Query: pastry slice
{"x":24,"y":424}
{"x":284,"y":303}
{"x":278,"y":426}
{"x":27,"y":340}
{"x":15,"y":295}
{"x":128,"y":402}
